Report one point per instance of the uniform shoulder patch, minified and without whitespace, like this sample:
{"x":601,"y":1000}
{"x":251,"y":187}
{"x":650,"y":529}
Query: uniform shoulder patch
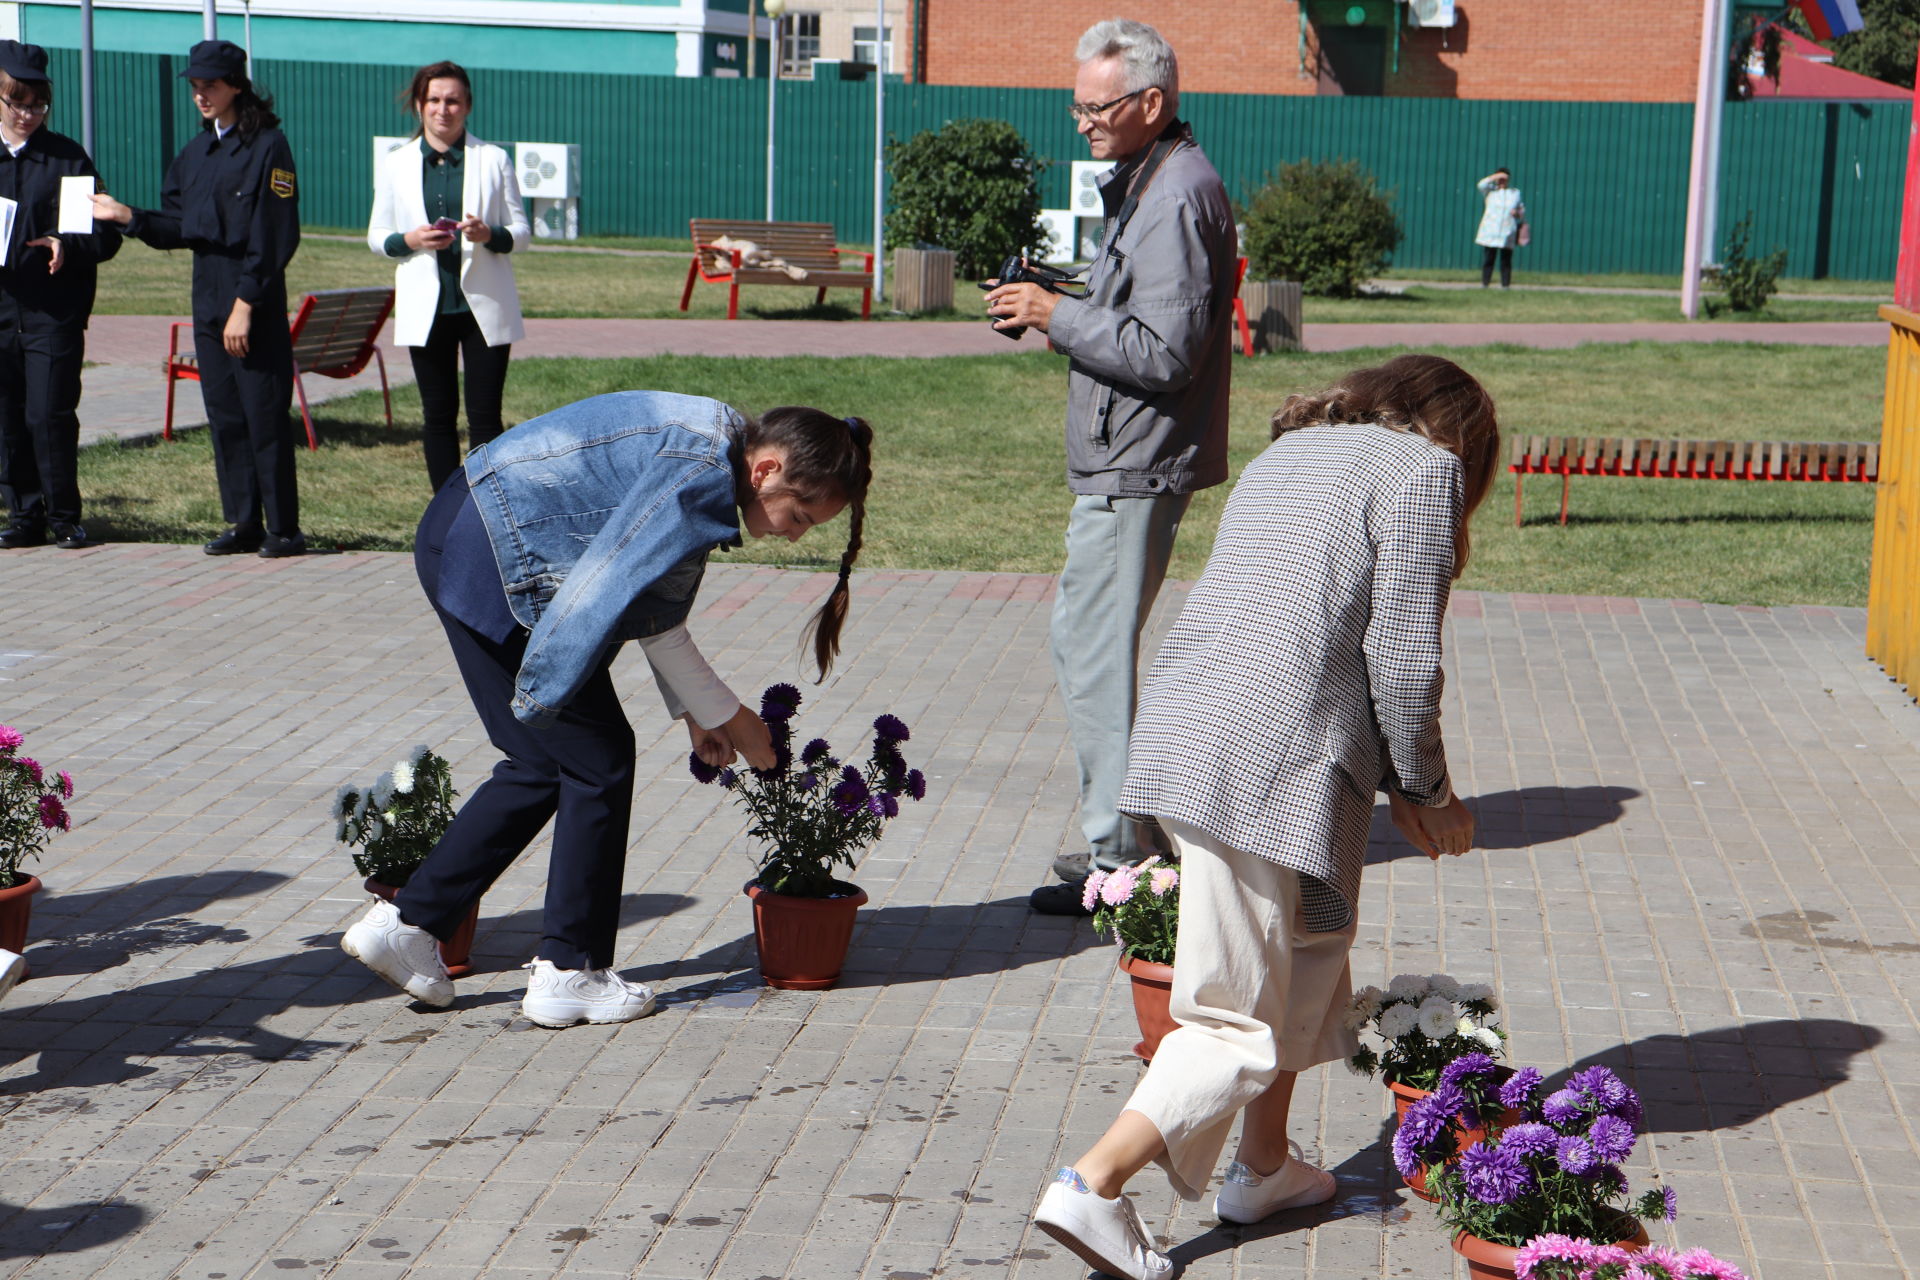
{"x":280,"y":182}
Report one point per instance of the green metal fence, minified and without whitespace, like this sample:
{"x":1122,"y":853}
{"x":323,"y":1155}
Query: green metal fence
{"x":1605,"y":183}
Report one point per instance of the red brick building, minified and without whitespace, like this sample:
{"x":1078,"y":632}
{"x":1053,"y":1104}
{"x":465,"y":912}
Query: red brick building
{"x":1624,"y":51}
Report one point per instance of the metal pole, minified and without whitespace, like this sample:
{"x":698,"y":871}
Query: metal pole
{"x":1703,"y":175}
{"x":210,"y":22}
{"x":86,"y":75}
{"x":1710,"y":206}
{"x":773,"y":90}
{"x":880,"y":150}
{"x":249,"y":37}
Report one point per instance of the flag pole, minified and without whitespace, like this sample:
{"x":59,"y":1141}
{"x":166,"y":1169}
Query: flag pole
{"x":1703,"y":179}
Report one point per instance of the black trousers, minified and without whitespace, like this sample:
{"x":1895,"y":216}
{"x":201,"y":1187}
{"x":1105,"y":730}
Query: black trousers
{"x":39,"y":422}
{"x":577,"y":772}
{"x":248,"y":400}
{"x":1487,"y":254}
{"x":457,"y":337}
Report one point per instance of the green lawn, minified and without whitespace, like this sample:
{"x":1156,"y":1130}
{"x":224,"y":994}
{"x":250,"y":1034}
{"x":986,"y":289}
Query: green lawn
{"x":554,"y":282}
{"x":969,"y":466}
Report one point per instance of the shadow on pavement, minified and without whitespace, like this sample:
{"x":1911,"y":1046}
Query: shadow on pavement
{"x":1731,"y":1076}
{"x":72,"y":1228}
{"x":100,"y":929}
{"x":1515,"y":819}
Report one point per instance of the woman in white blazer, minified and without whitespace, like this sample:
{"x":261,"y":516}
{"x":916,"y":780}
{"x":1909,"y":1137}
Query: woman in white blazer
{"x":1302,"y":676}
{"x":449,"y":211}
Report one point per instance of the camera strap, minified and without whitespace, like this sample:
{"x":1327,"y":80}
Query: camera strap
{"x":1170,"y":138}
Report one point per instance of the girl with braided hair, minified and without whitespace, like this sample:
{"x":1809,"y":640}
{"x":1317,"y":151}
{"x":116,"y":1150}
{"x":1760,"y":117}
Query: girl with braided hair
{"x":578,"y":530}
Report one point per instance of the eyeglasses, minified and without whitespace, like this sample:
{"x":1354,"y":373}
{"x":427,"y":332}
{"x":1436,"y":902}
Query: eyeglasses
{"x":27,"y":108}
{"x":1090,"y":110}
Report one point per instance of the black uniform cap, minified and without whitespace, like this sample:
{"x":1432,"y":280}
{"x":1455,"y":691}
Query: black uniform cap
{"x":216,"y":60}
{"x":23,"y":61}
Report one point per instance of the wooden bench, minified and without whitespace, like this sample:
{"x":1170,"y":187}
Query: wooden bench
{"x":1843,"y":462}
{"x":335,"y":333}
{"x":809,"y":245}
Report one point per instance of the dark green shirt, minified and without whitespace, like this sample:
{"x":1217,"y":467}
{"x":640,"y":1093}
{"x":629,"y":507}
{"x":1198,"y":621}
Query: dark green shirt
{"x":441,"y":183}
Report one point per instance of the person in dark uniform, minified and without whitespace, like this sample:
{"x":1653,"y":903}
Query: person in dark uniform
{"x":231,"y":197}
{"x":46,"y":295}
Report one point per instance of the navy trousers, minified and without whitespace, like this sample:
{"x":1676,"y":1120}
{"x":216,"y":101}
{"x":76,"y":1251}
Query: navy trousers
{"x":577,"y":772}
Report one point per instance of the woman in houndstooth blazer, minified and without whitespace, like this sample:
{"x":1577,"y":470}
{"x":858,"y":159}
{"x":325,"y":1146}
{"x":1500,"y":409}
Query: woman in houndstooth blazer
{"x":1302,"y":676}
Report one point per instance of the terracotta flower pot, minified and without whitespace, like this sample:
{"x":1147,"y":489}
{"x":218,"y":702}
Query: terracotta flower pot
{"x":16,"y":906}
{"x":455,"y":952}
{"x":1152,"y":990}
{"x":1465,"y":1135}
{"x":802,"y":941}
{"x":1489,"y":1261}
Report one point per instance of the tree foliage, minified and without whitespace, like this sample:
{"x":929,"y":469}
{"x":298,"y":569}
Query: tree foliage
{"x":1327,"y":225}
{"x":972,"y":187}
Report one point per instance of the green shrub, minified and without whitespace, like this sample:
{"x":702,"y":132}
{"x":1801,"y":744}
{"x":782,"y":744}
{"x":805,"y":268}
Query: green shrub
{"x":1327,"y":225}
{"x":973,"y":187}
{"x":1749,"y":281}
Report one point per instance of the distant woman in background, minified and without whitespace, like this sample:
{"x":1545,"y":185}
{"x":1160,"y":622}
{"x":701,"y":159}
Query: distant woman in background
{"x":46,"y":295}
{"x":449,"y":211}
{"x":1503,"y":224}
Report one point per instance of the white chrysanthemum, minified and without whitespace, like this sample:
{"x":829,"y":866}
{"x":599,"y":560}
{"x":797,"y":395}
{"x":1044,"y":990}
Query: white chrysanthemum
{"x":1466,"y":1025}
{"x":1407,"y":986}
{"x":420,"y":752}
{"x":403,"y":777}
{"x":1436,"y":1017}
{"x":1490,"y":1038}
{"x":1368,"y":1001}
{"x":1442,"y":984}
{"x":1397,"y":1020}
{"x":382,"y":791}
{"x":343,"y":802}
{"x":1355,"y":1019}
{"x":1475,"y":991}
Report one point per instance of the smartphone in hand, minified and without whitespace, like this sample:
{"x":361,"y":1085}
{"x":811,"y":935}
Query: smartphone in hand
{"x":449,"y":225}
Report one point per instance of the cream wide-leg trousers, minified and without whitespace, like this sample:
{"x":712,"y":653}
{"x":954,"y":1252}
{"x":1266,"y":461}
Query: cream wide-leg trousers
{"x":1254,"y":994}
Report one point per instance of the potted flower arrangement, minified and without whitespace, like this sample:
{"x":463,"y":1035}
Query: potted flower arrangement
{"x":32,"y":807}
{"x":392,"y":825}
{"x":1423,"y":1023}
{"x":1140,"y":907}
{"x":811,"y":815}
{"x":1557,"y":1257}
{"x":1554,"y":1171}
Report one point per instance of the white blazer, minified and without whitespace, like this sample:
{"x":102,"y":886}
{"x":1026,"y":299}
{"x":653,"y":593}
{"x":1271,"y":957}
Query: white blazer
{"x":488,"y":188}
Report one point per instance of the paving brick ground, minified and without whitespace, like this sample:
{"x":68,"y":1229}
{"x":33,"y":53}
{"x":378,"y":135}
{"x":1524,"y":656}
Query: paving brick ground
{"x":1699,"y":865}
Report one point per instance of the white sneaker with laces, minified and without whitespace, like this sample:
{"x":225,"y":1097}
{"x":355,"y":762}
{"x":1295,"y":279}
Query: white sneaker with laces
{"x":1246,"y":1197}
{"x":13,"y":967}
{"x":404,"y":954}
{"x":562,"y":997}
{"x":1106,"y":1234}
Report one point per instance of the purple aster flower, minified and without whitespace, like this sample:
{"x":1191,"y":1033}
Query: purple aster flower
{"x":1406,"y":1152}
{"x":1529,"y":1139}
{"x":1494,"y":1175}
{"x":1628,"y":1109}
{"x":700,"y":769}
{"x":814,"y":752}
{"x":1575,"y":1155}
{"x":808,"y":781}
{"x":890,"y":729}
{"x":1428,"y":1117}
{"x":1612,"y":1138}
{"x":728,"y":778}
{"x":889,"y":807}
{"x":1520,"y":1088}
{"x":916,"y":784}
{"x":1669,"y":1204}
{"x":1467,"y":1064}
{"x":779,"y":703}
{"x":1601,"y":1085}
{"x":1563,"y":1108}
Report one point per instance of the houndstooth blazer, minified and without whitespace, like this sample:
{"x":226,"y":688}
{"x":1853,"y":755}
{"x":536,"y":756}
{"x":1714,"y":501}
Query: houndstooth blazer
{"x":1304,"y":670}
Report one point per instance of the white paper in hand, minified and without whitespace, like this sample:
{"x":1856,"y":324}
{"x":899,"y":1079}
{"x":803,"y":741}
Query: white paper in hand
{"x":8,"y":209}
{"x":76,"y":206}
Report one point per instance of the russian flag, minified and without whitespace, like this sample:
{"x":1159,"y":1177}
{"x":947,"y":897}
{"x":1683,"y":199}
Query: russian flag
{"x":1830,"y":18}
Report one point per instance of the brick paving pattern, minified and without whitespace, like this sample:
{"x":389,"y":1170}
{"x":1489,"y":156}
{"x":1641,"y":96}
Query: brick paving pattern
{"x":1699,"y":827}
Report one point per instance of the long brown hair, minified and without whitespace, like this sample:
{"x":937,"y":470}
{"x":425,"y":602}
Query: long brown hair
{"x":826,"y":457}
{"x":414,"y":99}
{"x":1425,"y":395}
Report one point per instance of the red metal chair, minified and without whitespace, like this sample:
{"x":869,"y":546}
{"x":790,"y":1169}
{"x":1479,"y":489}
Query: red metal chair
{"x":335,"y":332}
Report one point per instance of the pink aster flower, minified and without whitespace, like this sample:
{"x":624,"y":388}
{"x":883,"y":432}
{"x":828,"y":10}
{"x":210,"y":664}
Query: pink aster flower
{"x":1119,"y":885}
{"x":1550,"y":1248}
{"x":1163,"y":881}
{"x":1698,"y":1264}
{"x":66,"y":784}
{"x":32,"y":767}
{"x":9,"y":737}
{"x":1090,"y":892}
{"x":53,"y":814}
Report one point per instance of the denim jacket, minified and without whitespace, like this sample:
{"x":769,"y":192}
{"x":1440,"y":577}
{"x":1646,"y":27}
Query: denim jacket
{"x":601,"y":515}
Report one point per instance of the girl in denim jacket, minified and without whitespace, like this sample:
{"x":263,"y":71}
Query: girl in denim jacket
{"x":571,"y":533}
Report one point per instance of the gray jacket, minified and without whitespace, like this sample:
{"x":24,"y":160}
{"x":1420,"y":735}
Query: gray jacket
{"x":1151,"y":343}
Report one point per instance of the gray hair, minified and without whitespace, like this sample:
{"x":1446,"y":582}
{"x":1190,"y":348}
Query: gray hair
{"x":1145,"y":56}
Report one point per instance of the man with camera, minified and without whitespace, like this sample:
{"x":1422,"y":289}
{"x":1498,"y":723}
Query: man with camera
{"x":1149,"y":344}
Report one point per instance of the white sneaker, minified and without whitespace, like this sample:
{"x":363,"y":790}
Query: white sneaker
{"x":404,"y":954}
{"x":1107,"y":1234}
{"x":13,"y":967}
{"x":562,"y":997}
{"x":1247,"y":1197}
